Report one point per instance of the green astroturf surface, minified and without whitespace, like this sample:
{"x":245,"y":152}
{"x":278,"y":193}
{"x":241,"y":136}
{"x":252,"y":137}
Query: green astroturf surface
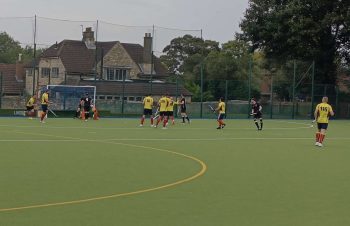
{"x":271,"y":177}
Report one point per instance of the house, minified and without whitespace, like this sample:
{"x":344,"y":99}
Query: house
{"x":106,"y":65}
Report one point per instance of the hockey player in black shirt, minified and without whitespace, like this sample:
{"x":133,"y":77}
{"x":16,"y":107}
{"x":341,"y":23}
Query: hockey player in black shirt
{"x":183,"y":109}
{"x":256,"y":113}
{"x":86,"y":102}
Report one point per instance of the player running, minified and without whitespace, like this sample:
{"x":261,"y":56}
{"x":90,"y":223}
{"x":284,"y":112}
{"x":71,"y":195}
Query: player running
{"x":321,"y":114}
{"x":221,"y":111}
{"x":162,"y":105}
{"x":256,"y":113}
{"x":183,"y":109}
{"x":147,"y":109}
{"x":30,"y":107}
{"x":44,"y":105}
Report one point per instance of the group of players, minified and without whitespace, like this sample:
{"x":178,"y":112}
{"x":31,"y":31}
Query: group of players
{"x":83,"y":110}
{"x":165,"y":112}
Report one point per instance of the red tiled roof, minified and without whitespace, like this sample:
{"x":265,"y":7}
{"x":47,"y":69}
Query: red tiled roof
{"x":135,"y":88}
{"x":10,"y":84}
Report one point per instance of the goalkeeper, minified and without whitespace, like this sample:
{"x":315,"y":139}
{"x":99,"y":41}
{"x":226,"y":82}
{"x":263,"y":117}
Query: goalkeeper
{"x":256,"y":113}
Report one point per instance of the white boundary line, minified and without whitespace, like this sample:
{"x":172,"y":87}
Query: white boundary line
{"x":177,"y":139}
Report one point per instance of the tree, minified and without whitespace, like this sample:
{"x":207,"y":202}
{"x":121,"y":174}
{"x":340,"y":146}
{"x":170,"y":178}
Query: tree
{"x":9,"y":49}
{"x":301,"y":29}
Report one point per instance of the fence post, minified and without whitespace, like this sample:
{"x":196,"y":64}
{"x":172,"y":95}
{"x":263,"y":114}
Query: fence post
{"x":271,"y":97}
{"x":249,"y":84}
{"x":312,"y":89}
{"x":123,"y":95}
{"x":177,"y":93}
{"x":336,"y":101}
{"x":1,"y":89}
{"x":293,"y":92}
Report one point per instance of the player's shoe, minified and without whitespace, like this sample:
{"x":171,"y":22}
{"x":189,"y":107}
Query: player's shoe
{"x":152,"y":125}
{"x":164,"y":127}
{"x":140,"y":125}
{"x":320,"y":145}
{"x":316,"y":144}
{"x":223,"y":125}
{"x":219,"y":127}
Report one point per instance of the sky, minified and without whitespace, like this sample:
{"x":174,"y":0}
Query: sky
{"x":218,"y":19}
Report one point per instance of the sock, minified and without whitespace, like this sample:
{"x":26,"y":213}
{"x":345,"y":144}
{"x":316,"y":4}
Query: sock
{"x":142,"y":120}
{"x":322,"y":136}
{"x":318,"y":136}
{"x":42,"y":116}
{"x":151,"y":120}
{"x":261,"y":123}
{"x":257,"y":124}
{"x":159,"y":119}
{"x":188,"y":119}
{"x":183,"y":119}
{"x":172,"y":120}
{"x":165,"y":122}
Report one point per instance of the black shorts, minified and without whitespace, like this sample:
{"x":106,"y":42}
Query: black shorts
{"x":221,"y":116}
{"x":169,"y":113}
{"x":147,"y":111}
{"x":29,"y":108}
{"x":44,"y":107}
{"x":258,"y":115}
{"x":322,"y":125}
{"x":183,"y":110}
{"x":87,"y":108}
{"x":162,"y":113}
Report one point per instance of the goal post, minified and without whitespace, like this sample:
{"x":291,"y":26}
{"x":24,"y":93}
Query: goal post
{"x":67,"y":97}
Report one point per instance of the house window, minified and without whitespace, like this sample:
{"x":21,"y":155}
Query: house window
{"x":116,"y":98}
{"x":29,"y":72}
{"x":109,"y":97}
{"x":116,"y":74}
{"x":45,"y":72}
{"x":101,"y":97}
{"x":54,"y":72}
{"x":131,"y":98}
{"x":139,"y":99}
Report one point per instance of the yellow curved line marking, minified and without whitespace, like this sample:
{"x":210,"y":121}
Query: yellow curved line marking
{"x":200,"y":173}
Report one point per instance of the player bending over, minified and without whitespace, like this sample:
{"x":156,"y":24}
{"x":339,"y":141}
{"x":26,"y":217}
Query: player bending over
{"x":162,"y":105}
{"x":256,"y":113}
{"x":321,"y":114}
{"x":147,"y":109}
{"x":30,"y":107}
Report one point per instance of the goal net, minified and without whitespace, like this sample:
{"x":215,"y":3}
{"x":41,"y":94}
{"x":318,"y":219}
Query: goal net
{"x":67,"y":97}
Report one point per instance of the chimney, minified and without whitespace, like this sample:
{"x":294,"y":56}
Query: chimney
{"x":88,"y":35}
{"x":88,"y":38}
{"x":147,"y":49}
{"x":19,"y":68}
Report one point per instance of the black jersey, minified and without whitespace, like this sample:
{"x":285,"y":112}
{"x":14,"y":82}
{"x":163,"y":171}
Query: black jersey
{"x":183,"y":104}
{"x":87,"y":101}
{"x":256,"y":108}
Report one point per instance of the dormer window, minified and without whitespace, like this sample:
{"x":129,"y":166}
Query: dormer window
{"x":116,"y":74}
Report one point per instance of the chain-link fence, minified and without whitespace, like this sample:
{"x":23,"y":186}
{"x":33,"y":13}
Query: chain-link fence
{"x":285,"y":89}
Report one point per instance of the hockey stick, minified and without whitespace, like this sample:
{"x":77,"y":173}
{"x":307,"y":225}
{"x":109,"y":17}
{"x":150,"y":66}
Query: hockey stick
{"x":211,"y":108}
{"x":52,"y":112}
{"x":156,"y":115}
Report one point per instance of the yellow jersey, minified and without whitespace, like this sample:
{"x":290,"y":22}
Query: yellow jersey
{"x":221,"y":107}
{"x":45,"y":98}
{"x":147,"y":102}
{"x":30,"y":102}
{"x":323,"y":112}
{"x":163,"y":103}
{"x":171,"y":105}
